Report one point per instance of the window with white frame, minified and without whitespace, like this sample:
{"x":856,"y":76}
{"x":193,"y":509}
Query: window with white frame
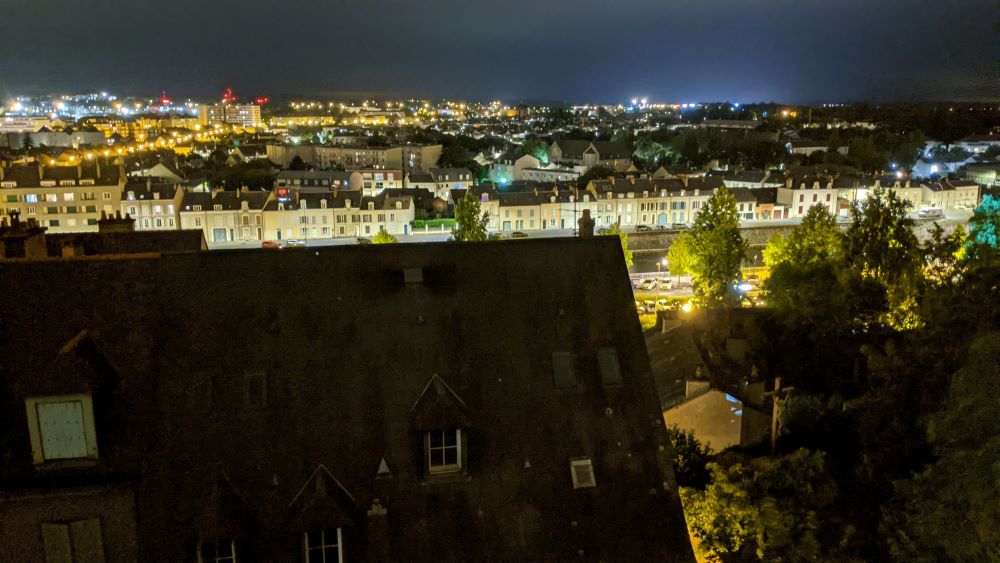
{"x":219,"y":551}
{"x":444,"y":451}
{"x":61,"y":427}
{"x":582,"y":472}
{"x":324,"y":546}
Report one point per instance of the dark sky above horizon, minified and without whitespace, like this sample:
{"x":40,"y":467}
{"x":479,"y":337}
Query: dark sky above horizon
{"x":791,"y":51}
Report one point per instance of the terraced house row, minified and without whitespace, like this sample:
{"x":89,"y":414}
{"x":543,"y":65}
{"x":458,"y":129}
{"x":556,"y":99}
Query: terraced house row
{"x":318,"y":205}
{"x":632,"y":201}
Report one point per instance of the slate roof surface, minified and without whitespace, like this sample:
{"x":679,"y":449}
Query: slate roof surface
{"x":346,"y":356}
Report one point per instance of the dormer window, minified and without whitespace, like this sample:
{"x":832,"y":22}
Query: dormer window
{"x":217,"y":207}
{"x":444,"y":451}
{"x":324,"y":546}
{"x":443,"y":420}
{"x":322,"y":204}
{"x":371,"y":205}
{"x":219,"y":551}
{"x":61,"y":427}
{"x":196,"y":208}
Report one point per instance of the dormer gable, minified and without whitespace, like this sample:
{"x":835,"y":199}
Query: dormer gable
{"x":439,"y":407}
{"x":322,"y":502}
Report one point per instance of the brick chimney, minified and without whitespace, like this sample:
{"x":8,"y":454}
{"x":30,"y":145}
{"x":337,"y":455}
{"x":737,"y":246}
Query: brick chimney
{"x":115,"y":223}
{"x":21,"y":239}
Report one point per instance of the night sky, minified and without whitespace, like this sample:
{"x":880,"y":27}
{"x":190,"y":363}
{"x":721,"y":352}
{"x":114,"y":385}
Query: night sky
{"x":574,"y":50}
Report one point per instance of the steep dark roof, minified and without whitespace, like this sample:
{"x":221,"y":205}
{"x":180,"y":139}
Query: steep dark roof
{"x":141,"y":191}
{"x":343,"y":398}
{"x":230,"y":200}
{"x":32,"y":175}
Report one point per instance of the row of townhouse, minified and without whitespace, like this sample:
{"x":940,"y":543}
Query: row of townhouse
{"x":336,"y":214}
{"x":373,"y":181}
{"x":945,"y":194}
{"x":73,"y":198}
{"x":627,"y":202}
{"x":631,"y":202}
{"x":226,"y":216}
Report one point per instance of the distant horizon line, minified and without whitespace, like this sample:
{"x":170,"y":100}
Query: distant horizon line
{"x":283,"y":99}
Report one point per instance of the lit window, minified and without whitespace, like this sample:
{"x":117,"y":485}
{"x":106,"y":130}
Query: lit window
{"x":221,"y":551}
{"x":444,"y":449}
{"x":68,"y":196}
{"x":61,"y":427}
{"x":31,"y":198}
{"x":324,"y":546}
{"x":51,"y":197}
{"x":582,"y":472}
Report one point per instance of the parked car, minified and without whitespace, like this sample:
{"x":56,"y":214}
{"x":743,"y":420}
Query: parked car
{"x":754,"y":279}
{"x":665,"y":283}
{"x":636,"y":282}
{"x":518,"y":234}
{"x":272,"y":244}
{"x":662,"y":304}
{"x":679,"y":226}
{"x":931,"y":213}
{"x":648,"y":283}
{"x":642,"y":228}
{"x":649,"y":305}
{"x":362,"y":240}
{"x":295,"y":243}
{"x":638,"y":308}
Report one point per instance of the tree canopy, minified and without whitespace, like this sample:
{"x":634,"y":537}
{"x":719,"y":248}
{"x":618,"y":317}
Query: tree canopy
{"x":471,"y":221}
{"x":718,"y":248}
{"x":383,"y":237}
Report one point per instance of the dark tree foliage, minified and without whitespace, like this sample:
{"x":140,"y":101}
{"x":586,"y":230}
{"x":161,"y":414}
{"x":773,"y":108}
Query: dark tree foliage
{"x":904,"y":414}
{"x":690,"y":458}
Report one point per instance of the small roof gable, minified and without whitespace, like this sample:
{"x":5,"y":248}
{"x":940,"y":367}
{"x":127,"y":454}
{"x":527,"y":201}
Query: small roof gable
{"x":439,"y":407}
{"x":225,"y":512}
{"x":322,"y":502}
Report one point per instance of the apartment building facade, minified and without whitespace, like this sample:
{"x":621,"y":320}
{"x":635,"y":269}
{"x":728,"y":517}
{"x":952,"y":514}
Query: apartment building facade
{"x":62,"y":198}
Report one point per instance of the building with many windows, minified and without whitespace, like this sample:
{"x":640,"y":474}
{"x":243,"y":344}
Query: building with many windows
{"x":154,"y":206}
{"x":225,"y":216}
{"x":62,"y":198}
{"x":243,"y":115}
{"x":334,"y":404}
